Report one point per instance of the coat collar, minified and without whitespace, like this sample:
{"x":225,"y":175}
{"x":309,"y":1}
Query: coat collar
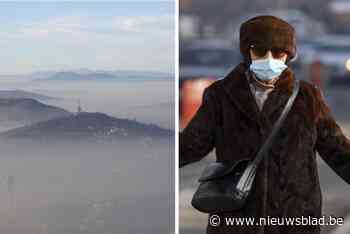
{"x":237,"y":87}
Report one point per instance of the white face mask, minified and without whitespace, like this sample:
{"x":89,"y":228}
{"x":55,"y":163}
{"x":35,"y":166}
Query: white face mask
{"x":268,"y":68}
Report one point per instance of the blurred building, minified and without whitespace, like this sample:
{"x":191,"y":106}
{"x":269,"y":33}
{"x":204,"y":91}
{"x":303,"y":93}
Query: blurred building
{"x":341,"y":12}
{"x":209,"y":19}
{"x":188,"y":27}
{"x":188,"y":23}
{"x":185,"y":5}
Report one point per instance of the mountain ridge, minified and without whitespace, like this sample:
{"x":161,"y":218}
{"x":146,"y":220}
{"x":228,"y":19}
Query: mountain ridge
{"x":28,"y":110}
{"x":18,"y":93}
{"x":86,"y":125}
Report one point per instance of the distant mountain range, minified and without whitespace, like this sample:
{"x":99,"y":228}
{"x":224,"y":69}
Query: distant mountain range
{"x":23,"y":94}
{"x":85,"y":74}
{"x":28,"y":110}
{"x":76,"y":76}
{"x":88,"y":74}
{"x":85,"y":126}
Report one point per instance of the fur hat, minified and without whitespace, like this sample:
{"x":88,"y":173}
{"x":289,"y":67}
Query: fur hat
{"x":268,"y":31}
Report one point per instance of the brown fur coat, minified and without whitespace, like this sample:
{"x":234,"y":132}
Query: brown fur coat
{"x":287,"y":181}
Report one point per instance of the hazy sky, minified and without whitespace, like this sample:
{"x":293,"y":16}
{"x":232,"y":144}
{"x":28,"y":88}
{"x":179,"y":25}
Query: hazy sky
{"x":133,"y":35}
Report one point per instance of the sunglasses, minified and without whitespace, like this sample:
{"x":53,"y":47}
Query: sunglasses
{"x":262,"y":50}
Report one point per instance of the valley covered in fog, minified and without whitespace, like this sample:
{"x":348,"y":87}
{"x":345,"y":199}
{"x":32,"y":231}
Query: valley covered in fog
{"x":87,"y":156}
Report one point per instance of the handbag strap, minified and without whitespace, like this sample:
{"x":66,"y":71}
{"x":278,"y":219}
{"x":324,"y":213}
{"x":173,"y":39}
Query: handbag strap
{"x":277,"y":126}
{"x":246,"y":180}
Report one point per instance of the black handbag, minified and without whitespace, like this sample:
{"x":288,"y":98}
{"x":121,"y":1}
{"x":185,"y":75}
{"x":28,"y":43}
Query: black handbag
{"x":224,"y":187}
